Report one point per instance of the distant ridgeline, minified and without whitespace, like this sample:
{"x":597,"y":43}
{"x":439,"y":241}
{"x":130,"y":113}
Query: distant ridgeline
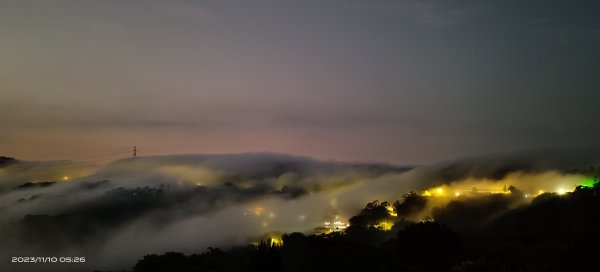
{"x":6,"y":160}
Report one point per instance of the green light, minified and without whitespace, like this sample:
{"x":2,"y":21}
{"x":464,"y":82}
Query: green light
{"x":588,"y":182}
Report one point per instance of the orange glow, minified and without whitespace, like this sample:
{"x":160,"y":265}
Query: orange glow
{"x":258,"y":210}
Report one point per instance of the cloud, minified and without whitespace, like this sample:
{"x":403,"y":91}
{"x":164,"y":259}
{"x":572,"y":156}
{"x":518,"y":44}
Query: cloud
{"x":170,"y":200}
{"x":133,"y":207}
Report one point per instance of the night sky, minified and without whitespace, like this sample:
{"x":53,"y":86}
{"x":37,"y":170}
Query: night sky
{"x":373,"y":80}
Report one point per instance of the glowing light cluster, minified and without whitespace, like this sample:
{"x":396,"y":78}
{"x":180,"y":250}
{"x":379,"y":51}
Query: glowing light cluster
{"x":384,"y":225}
{"x":438,"y":191}
{"x":275,"y":242}
{"x":391,"y":210}
{"x":273,"y":239}
{"x":335,"y":225}
{"x":457,"y":192}
{"x":426,"y":219}
{"x":263,"y":216}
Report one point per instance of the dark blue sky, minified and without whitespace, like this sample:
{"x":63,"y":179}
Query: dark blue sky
{"x":396,"y":81}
